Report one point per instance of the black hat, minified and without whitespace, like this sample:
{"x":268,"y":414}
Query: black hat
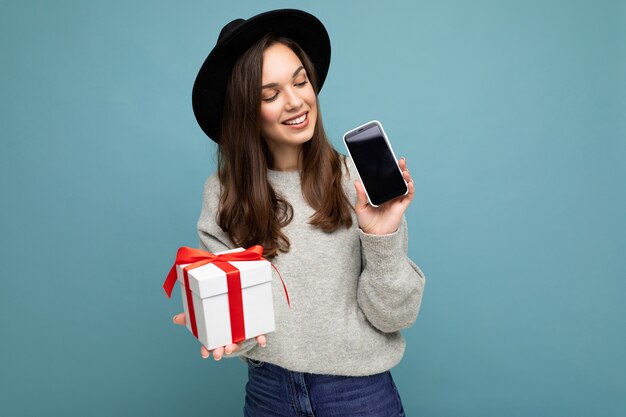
{"x":235,"y":39}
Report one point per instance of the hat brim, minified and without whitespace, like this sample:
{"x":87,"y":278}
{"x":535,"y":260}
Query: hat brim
{"x":209,"y":89}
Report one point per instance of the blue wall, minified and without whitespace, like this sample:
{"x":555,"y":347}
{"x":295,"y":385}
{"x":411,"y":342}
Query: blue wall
{"x":511,"y":115}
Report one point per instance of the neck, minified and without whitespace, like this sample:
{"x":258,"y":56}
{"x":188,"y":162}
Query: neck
{"x":287,"y":158}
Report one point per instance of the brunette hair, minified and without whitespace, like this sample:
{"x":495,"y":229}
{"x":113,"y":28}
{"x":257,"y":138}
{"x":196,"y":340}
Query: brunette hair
{"x":250,"y":211}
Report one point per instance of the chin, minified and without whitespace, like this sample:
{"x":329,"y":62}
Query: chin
{"x":300,"y":137}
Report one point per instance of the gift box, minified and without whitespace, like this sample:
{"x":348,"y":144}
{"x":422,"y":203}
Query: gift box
{"x":227,"y":296}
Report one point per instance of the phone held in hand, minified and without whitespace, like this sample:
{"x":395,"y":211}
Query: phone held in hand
{"x":375,"y":163}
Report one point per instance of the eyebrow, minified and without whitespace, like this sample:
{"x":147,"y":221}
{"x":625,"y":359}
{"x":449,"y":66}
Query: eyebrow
{"x":272,"y":85}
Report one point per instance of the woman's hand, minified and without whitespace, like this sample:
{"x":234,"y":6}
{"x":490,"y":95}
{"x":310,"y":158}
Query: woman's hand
{"x":384,"y":219}
{"x":219,"y":351}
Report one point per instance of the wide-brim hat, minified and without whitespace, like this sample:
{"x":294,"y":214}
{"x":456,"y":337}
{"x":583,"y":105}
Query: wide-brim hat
{"x":209,"y":89}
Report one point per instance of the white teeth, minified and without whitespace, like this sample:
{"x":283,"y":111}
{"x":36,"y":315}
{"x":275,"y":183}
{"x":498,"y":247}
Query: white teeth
{"x":296,"y":121}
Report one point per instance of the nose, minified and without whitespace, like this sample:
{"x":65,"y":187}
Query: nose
{"x":294,"y":101}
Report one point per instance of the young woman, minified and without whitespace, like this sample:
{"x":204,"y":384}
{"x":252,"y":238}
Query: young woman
{"x":281,"y":184}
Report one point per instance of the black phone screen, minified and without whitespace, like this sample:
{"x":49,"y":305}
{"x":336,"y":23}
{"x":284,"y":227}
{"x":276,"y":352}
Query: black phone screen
{"x":376,"y":164}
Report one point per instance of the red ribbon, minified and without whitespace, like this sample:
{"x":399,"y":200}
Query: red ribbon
{"x":196,"y":258}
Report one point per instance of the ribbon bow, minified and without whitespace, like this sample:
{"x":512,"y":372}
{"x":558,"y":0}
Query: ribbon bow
{"x":197,"y":258}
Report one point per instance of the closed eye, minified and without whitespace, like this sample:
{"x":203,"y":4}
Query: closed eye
{"x":270,"y":99}
{"x":300,"y":85}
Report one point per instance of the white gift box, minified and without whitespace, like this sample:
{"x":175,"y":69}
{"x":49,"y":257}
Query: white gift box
{"x":209,"y":293}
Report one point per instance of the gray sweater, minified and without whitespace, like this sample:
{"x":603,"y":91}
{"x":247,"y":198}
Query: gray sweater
{"x":351,"y":292}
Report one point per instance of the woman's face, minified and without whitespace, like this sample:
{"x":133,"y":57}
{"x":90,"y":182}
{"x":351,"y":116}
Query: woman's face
{"x":288,"y":102}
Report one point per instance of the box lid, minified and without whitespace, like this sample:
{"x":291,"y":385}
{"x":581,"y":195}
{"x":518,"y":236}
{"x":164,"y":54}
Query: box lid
{"x":209,"y":280}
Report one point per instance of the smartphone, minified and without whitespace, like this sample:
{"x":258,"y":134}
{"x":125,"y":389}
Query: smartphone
{"x":375,"y":163}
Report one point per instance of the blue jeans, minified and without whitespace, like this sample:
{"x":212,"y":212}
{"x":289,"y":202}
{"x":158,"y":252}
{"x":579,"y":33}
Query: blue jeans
{"x":275,"y":391}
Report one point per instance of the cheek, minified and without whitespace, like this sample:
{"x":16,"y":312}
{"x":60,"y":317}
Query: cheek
{"x":314,"y":111}
{"x":269,"y":114}
{"x":311,"y":99}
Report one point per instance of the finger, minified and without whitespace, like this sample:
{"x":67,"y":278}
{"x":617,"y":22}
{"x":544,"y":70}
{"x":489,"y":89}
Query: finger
{"x":408,"y":197}
{"x":218,"y":353}
{"x":402,"y":163}
{"x":204,"y":352}
{"x":361,"y":197}
{"x":406,"y":175}
{"x":233,"y":347}
{"x":179,"y":319}
{"x":411,"y":192}
{"x":261,"y":340}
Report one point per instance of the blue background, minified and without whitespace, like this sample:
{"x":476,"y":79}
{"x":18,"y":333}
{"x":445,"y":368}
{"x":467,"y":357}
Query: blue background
{"x":511,"y":115}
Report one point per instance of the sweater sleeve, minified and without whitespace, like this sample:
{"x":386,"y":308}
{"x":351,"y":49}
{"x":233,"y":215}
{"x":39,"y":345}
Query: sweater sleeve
{"x":391,"y":285}
{"x":213,"y":239}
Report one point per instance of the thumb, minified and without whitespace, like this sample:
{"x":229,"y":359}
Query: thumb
{"x":180,"y":319}
{"x":361,"y":197}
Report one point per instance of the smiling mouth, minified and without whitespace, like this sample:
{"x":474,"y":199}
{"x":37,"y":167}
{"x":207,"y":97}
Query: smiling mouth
{"x":296,"y":120}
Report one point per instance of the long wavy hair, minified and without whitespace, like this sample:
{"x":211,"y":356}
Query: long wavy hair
{"x":250,"y":211}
